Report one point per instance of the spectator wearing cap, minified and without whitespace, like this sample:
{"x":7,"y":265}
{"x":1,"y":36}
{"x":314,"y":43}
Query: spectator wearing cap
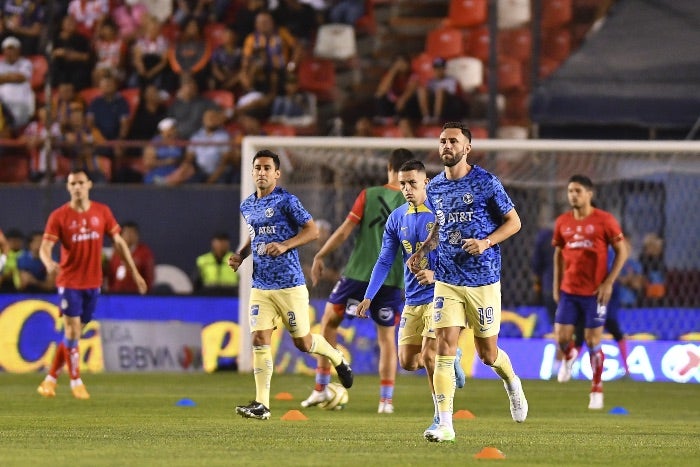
{"x":162,"y":157}
{"x":15,"y":82}
{"x":24,"y":20}
{"x":440,"y":98}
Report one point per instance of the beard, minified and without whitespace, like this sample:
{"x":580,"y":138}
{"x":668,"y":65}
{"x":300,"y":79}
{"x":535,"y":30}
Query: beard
{"x":450,"y":160}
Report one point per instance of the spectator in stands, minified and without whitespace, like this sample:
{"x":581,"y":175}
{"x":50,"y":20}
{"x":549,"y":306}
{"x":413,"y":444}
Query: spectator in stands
{"x":440,"y":98}
{"x":213,"y":275}
{"x":150,"y":57}
{"x":42,"y":159}
{"x":129,"y":17}
{"x":32,"y":274}
{"x":226,"y":63}
{"x":119,"y":278}
{"x":109,"y":113}
{"x":65,"y":101}
{"x":24,"y":20}
{"x":209,"y":155}
{"x":162,"y":157}
{"x":395,"y":96}
{"x":15,"y":82}
{"x":276,"y":47}
{"x":110,"y":53}
{"x":78,"y":142}
{"x":7,"y":123}
{"x":191,"y":52}
{"x":245,"y":18}
{"x":298,"y":18}
{"x":346,"y":11}
{"x":70,"y":56}
{"x":88,"y":15}
{"x":259,"y":88}
{"x":202,"y":10}
{"x":364,"y":127}
{"x":294,"y":107}
{"x":652,"y":260}
{"x":9,"y":279}
{"x":143,"y":126}
{"x":188,"y":107}
{"x":161,"y":10}
{"x":630,"y":281}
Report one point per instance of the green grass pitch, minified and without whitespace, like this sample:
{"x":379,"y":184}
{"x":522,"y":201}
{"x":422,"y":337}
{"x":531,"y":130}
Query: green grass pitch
{"x":133,"y":419}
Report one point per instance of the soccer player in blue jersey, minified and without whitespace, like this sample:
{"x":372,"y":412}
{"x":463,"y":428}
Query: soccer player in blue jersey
{"x":277,"y":225}
{"x":473,"y":215}
{"x":405,"y":229}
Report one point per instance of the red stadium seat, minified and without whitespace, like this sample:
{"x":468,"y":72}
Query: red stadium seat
{"x":14,"y":169}
{"x":428,"y":131}
{"x":387,"y":131}
{"x":224,"y":99}
{"x":367,"y":24}
{"x":478,"y":42}
{"x":89,"y":94}
{"x":422,"y":65}
{"x":517,"y":106}
{"x":556,"y":13}
{"x":556,"y":44}
{"x":40,"y":68}
{"x":317,"y":76}
{"x":214,"y":34}
{"x":516,"y":43}
{"x":132,"y":96}
{"x":510,"y":74}
{"x":445,"y":42}
{"x":547,"y":66}
{"x":467,"y":13}
{"x":278,"y":129}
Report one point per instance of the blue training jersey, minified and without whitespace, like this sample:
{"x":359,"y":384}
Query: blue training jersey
{"x":406,"y":228}
{"x":274,"y":218}
{"x":471,"y":207}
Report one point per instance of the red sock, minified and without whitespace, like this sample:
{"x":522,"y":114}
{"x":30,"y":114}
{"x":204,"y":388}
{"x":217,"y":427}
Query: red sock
{"x":622,"y":344}
{"x":59,"y":359}
{"x":73,"y":357}
{"x":567,"y":351}
{"x":597,"y":358}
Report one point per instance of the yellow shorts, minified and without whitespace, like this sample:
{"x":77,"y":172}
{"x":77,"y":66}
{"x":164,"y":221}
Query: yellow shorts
{"x":290,"y":306}
{"x":416,"y":323}
{"x":478,"y":308}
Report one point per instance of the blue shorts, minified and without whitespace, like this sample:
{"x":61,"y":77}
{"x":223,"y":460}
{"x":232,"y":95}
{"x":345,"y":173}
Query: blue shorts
{"x":385,"y":308}
{"x":571,"y":307}
{"x":78,"y":302}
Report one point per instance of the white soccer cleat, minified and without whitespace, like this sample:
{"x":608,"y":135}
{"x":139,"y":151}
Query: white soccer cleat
{"x":567,"y":365}
{"x":316,"y":398}
{"x":432,"y":427}
{"x":385,"y":407}
{"x":518,"y":402}
{"x":441,"y":434}
{"x":596,"y":401}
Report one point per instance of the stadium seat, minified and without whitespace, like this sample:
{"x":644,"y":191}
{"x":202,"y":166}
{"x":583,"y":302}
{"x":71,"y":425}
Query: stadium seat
{"x":428,"y":131}
{"x":479,"y":132}
{"x":335,"y":42}
{"x":104,"y":164}
{"x":132,"y":96}
{"x":422,"y":65}
{"x":172,"y":276}
{"x":510,"y":74}
{"x":225,"y":99}
{"x":14,"y":169}
{"x":387,"y":131}
{"x":556,"y":13}
{"x":89,"y":94}
{"x":516,"y":43}
{"x":556,"y":44}
{"x":467,"y":70}
{"x":517,"y":106}
{"x":513,"y":13}
{"x":317,"y":76}
{"x":279,"y":129}
{"x":547,"y":66}
{"x":467,"y":13}
{"x":367,"y":24}
{"x":214,"y":34}
{"x":445,"y":42}
{"x":512,"y":132}
{"x":39,"y":69}
{"x":477,"y":43}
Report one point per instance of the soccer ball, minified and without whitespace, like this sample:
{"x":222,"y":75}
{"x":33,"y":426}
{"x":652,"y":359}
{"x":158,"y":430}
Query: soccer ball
{"x":339,"y":397}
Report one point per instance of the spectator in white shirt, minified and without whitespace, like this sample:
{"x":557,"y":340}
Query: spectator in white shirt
{"x":15,"y":82}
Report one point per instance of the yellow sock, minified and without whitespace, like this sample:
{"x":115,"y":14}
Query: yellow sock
{"x":320,"y":346}
{"x":502,"y":367}
{"x":444,"y":383}
{"x":262,"y":371}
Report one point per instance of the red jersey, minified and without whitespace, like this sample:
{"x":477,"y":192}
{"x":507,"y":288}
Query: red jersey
{"x":81,"y":235}
{"x":584,"y":245}
{"x":119,"y":277}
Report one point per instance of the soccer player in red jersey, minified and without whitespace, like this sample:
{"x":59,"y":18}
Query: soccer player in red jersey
{"x":582,"y":283}
{"x":80,"y":226}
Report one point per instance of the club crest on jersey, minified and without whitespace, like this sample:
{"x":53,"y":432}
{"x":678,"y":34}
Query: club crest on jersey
{"x":589,"y":229}
{"x":269,"y":212}
{"x":468,"y":198}
{"x":455,"y":237}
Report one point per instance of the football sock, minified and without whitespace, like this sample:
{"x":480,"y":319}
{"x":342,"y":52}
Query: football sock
{"x":323,"y":378}
{"x":75,"y":382}
{"x":435,"y":404}
{"x":262,"y":371}
{"x":72,"y":355}
{"x":386,"y":390}
{"x":503,"y":367}
{"x":320,"y":346}
{"x":597,"y":358}
{"x":566,"y":349}
{"x":622,"y":345}
{"x":59,"y":359}
{"x":444,"y":383}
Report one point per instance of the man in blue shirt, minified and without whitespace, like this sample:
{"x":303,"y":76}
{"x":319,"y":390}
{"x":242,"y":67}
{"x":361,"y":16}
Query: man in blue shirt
{"x":278,"y":224}
{"x":473,"y":215}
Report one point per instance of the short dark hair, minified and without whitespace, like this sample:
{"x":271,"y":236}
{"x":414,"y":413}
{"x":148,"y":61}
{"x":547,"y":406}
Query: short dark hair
{"x":399,"y":157}
{"x":461,"y":126}
{"x":221,"y":236}
{"x":80,"y":170}
{"x":130,"y":225}
{"x":267,"y":153}
{"x":582,"y":180}
{"x":413,"y":164}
